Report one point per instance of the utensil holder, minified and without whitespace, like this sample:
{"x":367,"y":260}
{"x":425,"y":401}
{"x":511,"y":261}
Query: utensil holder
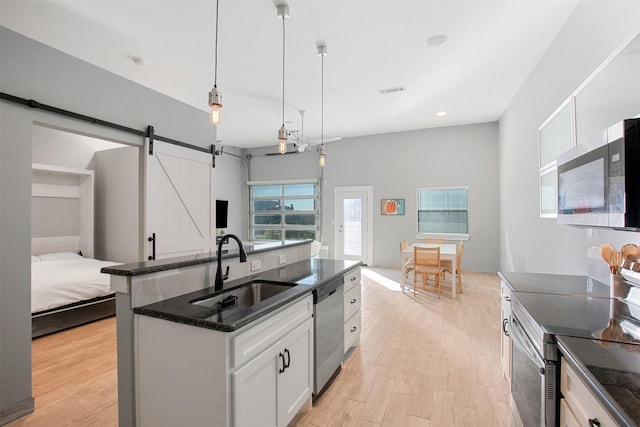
{"x":618,"y":286}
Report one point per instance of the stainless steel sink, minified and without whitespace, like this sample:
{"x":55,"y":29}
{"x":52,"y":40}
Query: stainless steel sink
{"x":245,"y":295}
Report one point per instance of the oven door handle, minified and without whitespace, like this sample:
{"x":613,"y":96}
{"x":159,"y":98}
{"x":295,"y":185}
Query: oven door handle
{"x":520,"y":338}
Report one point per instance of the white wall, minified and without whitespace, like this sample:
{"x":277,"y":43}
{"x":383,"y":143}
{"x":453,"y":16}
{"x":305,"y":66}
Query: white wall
{"x":528,"y":243}
{"x":396,"y":165}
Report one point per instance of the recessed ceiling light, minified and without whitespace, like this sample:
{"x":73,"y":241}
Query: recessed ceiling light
{"x":441,"y":113}
{"x":437,"y":40}
{"x":392,"y":89}
{"x":138,"y":60}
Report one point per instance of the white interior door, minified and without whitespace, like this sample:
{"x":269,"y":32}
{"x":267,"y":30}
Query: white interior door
{"x":353,"y":223}
{"x":179,"y":201}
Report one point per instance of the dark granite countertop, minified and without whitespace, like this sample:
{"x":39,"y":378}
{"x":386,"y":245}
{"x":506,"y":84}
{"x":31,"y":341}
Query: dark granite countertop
{"x":306,"y":275}
{"x":147,"y":267}
{"x":612,"y":372}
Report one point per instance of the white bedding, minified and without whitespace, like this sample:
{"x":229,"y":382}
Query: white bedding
{"x":60,"y":279}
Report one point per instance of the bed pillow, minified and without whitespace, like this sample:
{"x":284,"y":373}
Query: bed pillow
{"x":35,"y":258}
{"x":59,"y":255}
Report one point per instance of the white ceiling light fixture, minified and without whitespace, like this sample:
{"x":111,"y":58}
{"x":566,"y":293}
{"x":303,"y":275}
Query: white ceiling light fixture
{"x":215,"y":99}
{"x":322,"y":51}
{"x":138,"y":60}
{"x":283,"y":13}
{"x":437,"y":40}
{"x":441,"y":113}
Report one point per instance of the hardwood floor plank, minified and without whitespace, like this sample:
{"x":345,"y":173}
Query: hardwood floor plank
{"x":423,"y":362}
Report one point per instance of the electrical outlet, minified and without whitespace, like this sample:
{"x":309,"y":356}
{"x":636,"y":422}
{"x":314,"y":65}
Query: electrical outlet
{"x":282,"y":272}
{"x":282,"y":259}
{"x":256,"y":264}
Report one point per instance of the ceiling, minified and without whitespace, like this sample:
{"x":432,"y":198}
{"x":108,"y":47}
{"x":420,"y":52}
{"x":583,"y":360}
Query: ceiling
{"x":492,"y":47}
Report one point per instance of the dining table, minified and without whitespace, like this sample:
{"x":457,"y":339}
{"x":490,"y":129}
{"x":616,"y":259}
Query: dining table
{"x":447,"y":251}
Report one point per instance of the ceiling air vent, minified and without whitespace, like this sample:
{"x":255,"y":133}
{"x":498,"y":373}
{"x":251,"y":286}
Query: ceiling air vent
{"x":392,"y":90}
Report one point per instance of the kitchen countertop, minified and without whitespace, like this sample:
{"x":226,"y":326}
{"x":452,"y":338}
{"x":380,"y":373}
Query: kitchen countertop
{"x":147,"y":267}
{"x":576,"y":310}
{"x":307,"y":276}
{"x":612,"y":371}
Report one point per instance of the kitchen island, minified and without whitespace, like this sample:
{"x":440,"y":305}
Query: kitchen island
{"x":196,"y":350}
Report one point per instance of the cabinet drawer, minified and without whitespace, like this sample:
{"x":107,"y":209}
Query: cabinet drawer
{"x":580,"y":400}
{"x":351,"y":301}
{"x":352,"y":331}
{"x":250,"y":343}
{"x":567,"y":419}
{"x":351,"y":279}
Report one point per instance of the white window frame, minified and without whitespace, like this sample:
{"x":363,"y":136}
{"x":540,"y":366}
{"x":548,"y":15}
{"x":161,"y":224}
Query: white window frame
{"x":283,"y":227}
{"x":446,"y":236}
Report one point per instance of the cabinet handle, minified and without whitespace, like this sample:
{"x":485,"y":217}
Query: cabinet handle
{"x":286,"y":350}
{"x":284,"y":366}
{"x":152,"y":239}
{"x":353,"y":278}
{"x":354,"y":329}
{"x":353,"y":301}
{"x":506,"y":298}
{"x":594,"y":422}
{"x":504,"y":326}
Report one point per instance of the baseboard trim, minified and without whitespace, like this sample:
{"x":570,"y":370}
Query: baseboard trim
{"x":16,"y":411}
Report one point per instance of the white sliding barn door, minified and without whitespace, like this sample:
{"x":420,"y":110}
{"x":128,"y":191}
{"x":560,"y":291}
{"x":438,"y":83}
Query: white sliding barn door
{"x":179,"y":201}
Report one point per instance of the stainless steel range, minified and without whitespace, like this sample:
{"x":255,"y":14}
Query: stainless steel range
{"x":536,"y":320}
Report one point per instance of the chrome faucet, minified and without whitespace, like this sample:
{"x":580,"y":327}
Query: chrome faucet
{"x":243,"y":258}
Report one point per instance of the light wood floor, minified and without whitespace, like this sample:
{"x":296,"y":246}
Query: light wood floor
{"x":423,"y":361}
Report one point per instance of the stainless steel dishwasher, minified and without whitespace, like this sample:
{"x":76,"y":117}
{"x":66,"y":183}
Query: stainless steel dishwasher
{"x":328,"y":311}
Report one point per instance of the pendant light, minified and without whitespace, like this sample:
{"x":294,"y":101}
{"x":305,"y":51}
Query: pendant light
{"x":215,"y":99}
{"x":322,"y":51}
{"x":283,"y":13}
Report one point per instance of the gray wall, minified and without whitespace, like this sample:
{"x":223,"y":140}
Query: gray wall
{"x":31,"y":70}
{"x":528,"y":243}
{"x":231,"y":185}
{"x":395,"y":165}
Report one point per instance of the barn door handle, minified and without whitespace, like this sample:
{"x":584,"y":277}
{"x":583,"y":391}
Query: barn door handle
{"x":152,"y":239}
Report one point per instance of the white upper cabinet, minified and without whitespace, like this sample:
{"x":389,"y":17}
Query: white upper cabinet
{"x":610,"y":94}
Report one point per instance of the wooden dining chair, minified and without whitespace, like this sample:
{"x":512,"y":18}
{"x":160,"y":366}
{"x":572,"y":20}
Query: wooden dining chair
{"x":447,"y":266}
{"x":435,"y":240}
{"x":405,"y":261}
{"x":426,"y":262}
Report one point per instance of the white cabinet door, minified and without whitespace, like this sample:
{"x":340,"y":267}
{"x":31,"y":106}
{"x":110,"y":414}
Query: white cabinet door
{"x":505,"y":340}
{"x":179,"y":201}
{"x":273,"y":387}
{"x":255,"y":400}
{"x":296,"y":382}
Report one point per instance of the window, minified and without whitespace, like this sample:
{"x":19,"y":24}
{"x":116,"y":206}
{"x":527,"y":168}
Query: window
{"x":443,"y":210}
{"x":284,"y":211}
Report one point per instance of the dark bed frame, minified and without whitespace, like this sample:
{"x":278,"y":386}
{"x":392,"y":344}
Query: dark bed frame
{"x":72,"y":315}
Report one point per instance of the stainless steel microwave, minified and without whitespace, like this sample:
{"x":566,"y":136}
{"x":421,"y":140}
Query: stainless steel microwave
{"x":599,"y":182}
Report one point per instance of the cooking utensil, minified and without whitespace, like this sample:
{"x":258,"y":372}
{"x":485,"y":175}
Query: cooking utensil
{"x":608,"y":254}
{"x":630,"y":252}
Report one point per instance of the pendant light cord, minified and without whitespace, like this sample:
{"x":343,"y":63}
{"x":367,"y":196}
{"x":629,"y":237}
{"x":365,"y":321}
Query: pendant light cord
{"x":283,"y":50}
{"x":215,"y":78}
{"x":322,"y":104}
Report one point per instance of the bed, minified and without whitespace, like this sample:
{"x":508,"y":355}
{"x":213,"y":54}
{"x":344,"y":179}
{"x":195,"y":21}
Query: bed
{"x":67,"y":288}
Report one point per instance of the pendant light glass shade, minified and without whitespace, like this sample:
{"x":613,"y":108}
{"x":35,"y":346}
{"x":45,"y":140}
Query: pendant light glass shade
{"x":283,"y":13}
{"x":323,"y":157}
{"x":215,"y":99}
{"x":216,"y":106}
